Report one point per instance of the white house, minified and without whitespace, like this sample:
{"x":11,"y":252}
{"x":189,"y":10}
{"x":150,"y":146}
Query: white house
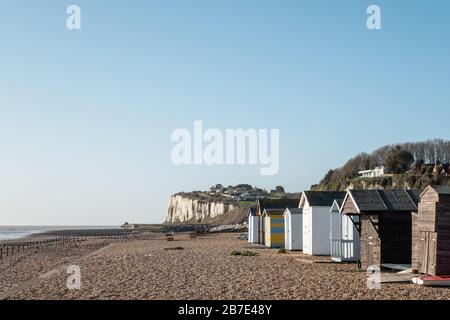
{"x":377,"y":172}
{"x":344,"y":236}
{"x":316,"y":206}
{"x":253,"y":228}
{"x":293,"y":229}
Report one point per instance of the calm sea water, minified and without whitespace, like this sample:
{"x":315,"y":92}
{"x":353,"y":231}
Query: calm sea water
{"x":11,"y":233}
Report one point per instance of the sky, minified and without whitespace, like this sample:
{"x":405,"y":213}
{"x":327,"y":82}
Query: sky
{"x":86,"y":115}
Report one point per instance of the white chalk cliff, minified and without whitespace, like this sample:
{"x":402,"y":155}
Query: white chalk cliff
{"x":185,"y":209}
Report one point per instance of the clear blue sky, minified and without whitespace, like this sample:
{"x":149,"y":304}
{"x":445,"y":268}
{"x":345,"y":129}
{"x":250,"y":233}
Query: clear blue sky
{"x":86,"y":116}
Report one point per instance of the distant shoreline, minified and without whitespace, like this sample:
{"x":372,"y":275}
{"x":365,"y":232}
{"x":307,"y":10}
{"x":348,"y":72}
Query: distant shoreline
{"x":20,"y":233}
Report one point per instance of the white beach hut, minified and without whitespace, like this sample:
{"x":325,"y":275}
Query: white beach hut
{"x":253,"y":228}
{"x":344,"y":236}
{"x":316,"y":206}
{"x":293,"y":229}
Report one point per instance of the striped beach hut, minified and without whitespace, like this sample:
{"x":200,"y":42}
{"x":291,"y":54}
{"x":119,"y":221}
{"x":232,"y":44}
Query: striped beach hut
{"x":274,"y":228}
{"x":293,"y":229}
{"x":263,"y":204}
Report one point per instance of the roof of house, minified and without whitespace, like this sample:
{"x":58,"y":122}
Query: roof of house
{"x":276,"y":204}
{"x":385,"y":200}
{"x":293,"y":211}
{"x":323,"y":198}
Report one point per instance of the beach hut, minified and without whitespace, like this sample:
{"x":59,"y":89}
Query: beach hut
{"x":431,"y":232}
{"x":344,"y":237}
{"x":293,"y":229}
{"x":274,"y":228}
{"x":316,"y":206}
{"x":253,"y":221}
{"x":384,"y":225}
{"x":263,"y":204}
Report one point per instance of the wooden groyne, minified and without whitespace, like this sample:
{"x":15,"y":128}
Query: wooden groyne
{"x":8,"y":249}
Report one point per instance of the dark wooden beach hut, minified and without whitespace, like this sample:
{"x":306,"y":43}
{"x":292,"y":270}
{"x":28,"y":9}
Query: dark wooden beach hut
{"x":263,"y":204}
{"x":384,"y":224}
{"x":431,"y":232}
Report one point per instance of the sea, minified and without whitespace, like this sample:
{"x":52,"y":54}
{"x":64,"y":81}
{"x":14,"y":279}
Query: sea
{"x":17,"y":232}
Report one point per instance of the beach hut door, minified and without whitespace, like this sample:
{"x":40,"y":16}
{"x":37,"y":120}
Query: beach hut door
{"x":428,"y":252}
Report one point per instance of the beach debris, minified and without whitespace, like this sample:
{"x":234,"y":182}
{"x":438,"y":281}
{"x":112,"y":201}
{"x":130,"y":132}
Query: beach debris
{"x":243,"y":253}
{"x":170,"y":236}
{"x":193,"y":235}
{"x":174,"y":248}
{"x":432,"y":281}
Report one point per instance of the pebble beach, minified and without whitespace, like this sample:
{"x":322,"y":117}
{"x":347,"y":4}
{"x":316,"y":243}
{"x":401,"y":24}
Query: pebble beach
{"x":201,"y":269}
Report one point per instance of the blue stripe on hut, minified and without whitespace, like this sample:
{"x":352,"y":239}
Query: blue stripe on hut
{"x":274,"y":228}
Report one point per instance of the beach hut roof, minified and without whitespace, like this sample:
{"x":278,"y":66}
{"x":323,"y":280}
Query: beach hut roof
{"x":251,"y":211}
{"x":321,"y":198}
{"x":271,"y":212}
{"x":293,"y":211}
{"x":384,"y":200}
{"x":438,"y":189}
{"x":337,"y":204}
{"x":276,"y":204}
